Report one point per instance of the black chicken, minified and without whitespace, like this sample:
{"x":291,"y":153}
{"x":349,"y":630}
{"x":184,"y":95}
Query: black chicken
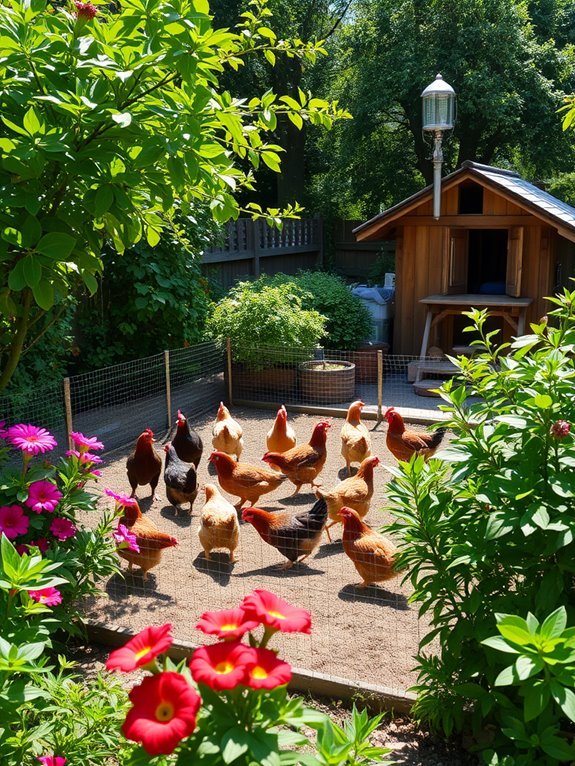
{"x":187,"y":442}
{"x":181,"y":480}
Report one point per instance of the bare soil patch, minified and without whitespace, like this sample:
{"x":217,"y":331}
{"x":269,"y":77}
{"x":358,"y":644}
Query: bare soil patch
{"x":366,"y":635}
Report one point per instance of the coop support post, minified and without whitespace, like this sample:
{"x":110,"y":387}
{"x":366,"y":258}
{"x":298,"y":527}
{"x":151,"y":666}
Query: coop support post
{"x":168,"y":387}
{"x":379,"y":386}
{"x":229,"y":364}
{"x":68,"y":411}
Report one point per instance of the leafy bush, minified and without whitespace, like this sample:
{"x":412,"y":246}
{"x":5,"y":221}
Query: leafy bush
{"x":254,"y":317}
{"x":348,"y":322}
{"x":488,"y":530}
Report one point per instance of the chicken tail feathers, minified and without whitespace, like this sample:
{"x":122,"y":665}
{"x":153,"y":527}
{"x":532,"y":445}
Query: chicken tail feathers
{"x":437,"y":437}
{"x":318,"y":513}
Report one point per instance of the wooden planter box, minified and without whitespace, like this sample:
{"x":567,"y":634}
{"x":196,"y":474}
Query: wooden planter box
{"x":365,"y":360}
{"x":324,"y":386}
{"x":273,"y":384}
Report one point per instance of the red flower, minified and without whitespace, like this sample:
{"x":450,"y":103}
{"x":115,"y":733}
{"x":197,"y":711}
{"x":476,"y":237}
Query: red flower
{"x":163,"y":713}
{"x":276,"y":613}
{"x":267,"y":672}
{"x":228,"y":624}
{"x":141,"y":649}
{"x":85,"y":11}
{"x":560,"y":429}
{"x":48,"y":596}
{"x":223,"y":665}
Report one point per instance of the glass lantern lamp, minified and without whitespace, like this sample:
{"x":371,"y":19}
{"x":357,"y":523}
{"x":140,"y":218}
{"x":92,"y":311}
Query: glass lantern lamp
{"x":438,"y":101}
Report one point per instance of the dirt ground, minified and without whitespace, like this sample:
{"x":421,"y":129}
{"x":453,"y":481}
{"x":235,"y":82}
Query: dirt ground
{"x":368,"y":635}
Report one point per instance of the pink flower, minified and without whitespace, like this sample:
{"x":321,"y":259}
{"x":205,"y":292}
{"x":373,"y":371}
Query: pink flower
{"x":125,"y":539}
{"x":43,"y":496}
{"x":52,"y":760}
{"x":275,"y":613}
{"x":21,"y":548}
{"x":94,"y":472}
{"x":88,"y":457}
{"x":85,"y":11}
{"x":48,"y":596}
{"x":31,"y":439}
{"x":122,"y":500}
{"x":13,"y":521}
{"x":41,"y":543}
{"x":62,"y":529}
{"x":88,"y":442}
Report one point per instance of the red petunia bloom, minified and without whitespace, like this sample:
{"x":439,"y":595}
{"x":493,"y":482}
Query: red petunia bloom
{"x":222,"y":666}
{"x":267,"y":672}
{"x":276,"y":613}
{"x":141,"y":649}
{"x":228,"y":624}
{"x":41,"y":543}
{"x":560,"y":429}
{"x":48,"y":596}
{"x":164,"y":711}
{"x":62,"y":529}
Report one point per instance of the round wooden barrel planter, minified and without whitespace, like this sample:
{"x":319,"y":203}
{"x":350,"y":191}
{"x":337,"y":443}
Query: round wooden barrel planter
{"x":328,"y":381}
{"x":365,"y":360}
{"x":271,"y":384}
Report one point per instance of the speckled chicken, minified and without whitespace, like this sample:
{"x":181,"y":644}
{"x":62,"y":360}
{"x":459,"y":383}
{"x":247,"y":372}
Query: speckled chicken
{"x":372,"y":554}
{"x":149,"y":539}
{"x":354,"y":492}
{"x":227,"y":433}
{"x":303,"y":464}
{"x":294,"y":535}
{"x":246,"y":481}
{"x":219,"y":526}
{"x":181,"y":480}
{"x":355,"y":437}
{"x":144,"y":465}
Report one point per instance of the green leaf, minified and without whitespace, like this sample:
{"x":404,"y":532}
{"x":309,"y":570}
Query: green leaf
{"x":566,"y":699}
{"x":526,"y":666}
{"x":124,"y":119}
{"x":554,"y":625}
{"x":233,"y":744}
{"x":499,"y":643}
{"x":32,"y":270}
{"x":57,"y":245}
{"x":543,"y":401}
{"x":44,"y":295}
{"x":103,"y":200}
{"x":535,"y":700}
{"x":31,"y":122}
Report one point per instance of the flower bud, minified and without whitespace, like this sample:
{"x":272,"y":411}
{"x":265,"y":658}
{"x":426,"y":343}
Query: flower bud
{"x":560,"y":429}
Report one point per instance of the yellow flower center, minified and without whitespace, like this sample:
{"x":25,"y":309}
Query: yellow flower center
{"x":142,"y":652}
{"x":279,"y":615}
{"x":259,"y":672}
{"x":223,"y":667}
{"x":228,"y":626}
{"x":164,"y":712}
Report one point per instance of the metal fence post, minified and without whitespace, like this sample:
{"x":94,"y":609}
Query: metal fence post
{"x":229,"y":363}
{"x":168,"y":387}
{"x":68,"y":411}
{"x":379,"y":386}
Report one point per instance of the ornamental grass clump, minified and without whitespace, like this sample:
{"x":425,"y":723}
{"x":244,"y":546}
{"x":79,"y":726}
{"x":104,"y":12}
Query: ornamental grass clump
{"x":488,"y":539}
{"x":229,"y":702}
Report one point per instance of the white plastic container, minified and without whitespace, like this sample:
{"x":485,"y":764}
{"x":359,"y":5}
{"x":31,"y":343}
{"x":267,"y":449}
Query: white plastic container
{"x":389,"y":282}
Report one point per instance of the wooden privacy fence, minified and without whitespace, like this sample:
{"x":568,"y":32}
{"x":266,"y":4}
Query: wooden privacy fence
{"x":355,"y":259}
{"x":245,"y":243}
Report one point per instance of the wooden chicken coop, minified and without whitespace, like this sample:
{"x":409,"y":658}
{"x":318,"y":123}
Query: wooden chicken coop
{"x":500,"y":243}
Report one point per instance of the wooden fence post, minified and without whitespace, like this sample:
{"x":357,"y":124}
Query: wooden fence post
{"x":379,"y":386}
{"x":229,"y":363}
{"x":68,"y":411}
{"x":168,"y":387}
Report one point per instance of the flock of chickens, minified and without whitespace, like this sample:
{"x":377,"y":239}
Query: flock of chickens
{"x":294,"y":534}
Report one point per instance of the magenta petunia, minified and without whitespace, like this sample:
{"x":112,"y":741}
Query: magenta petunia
{"x":62,"y":529}
{"x":47,"y":596}
{"x":51,"y":760}
{"x":43,"y":496}
{"x":125,"y":539}
{"x":21,"y":548}
{"x":31,"y":439}
{"x":88,"y":457}
{"x":94,"y":472}
{"x":122,"y":500}
{"x":85,"y":443}
{"x":13,"y":521}
{"x":41,"y":543}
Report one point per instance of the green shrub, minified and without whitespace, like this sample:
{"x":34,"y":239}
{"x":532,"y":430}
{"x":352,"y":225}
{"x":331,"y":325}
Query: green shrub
{"x":488,"y":530}
{"x":255,"y":317}
{"x":348,"y":322}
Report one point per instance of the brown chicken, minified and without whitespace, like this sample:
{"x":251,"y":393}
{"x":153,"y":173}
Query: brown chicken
{"x":281,"y":435}
{"x":180,"y":479}
{"x":227,"y":433}
{"x":187,"y":442}
{"x":372,"y":554}
{"x":355,"y":492}
{"x":144,"y":465}
{"x":303,"y":464}
{"x":219,"y":526}
{"x":403,"y":443}
{"x":148,"y":537}
{"x":246,"y":481}
{"x":355,"y":438}
{"x":294,"y":535}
